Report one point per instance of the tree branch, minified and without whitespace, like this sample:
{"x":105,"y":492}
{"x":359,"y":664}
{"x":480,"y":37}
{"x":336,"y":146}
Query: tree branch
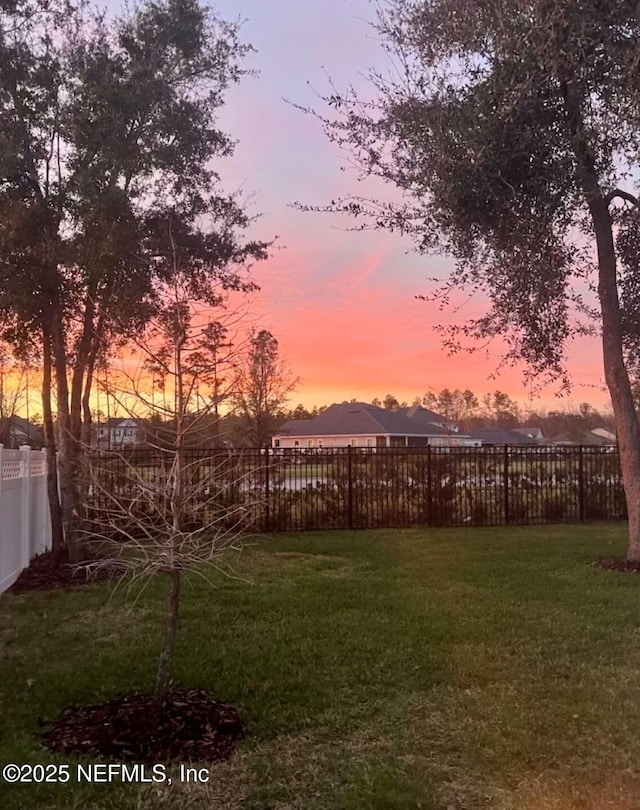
{"x":623,"y":195}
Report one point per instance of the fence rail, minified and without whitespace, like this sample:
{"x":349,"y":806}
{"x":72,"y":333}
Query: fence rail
{"x":343,"y":488}
{"x":25,"y":526}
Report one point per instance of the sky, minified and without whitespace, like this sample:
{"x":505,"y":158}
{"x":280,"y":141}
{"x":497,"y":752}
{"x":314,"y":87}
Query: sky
{"x":341,"y":303}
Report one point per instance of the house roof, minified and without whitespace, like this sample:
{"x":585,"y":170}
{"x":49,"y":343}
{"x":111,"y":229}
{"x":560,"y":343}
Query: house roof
{"x":533,"y":432}
{"x":597,"y":439}
{"x":604,"y":434}
{"x":589,"y":438}
{"x":419,"y":413}
{"x":19,"y":423}
{"x":119,"y":421}
{"x":358,"y":418}
{"x":502,"y":436}
{"x":560,"y":438}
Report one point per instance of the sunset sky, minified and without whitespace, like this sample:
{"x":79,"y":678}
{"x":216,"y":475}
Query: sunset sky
{"x":342,"y":304}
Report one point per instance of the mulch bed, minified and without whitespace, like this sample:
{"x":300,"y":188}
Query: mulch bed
{"x":188,"y":725}
{"x":49,"y":570}
{"x":618,"y":564}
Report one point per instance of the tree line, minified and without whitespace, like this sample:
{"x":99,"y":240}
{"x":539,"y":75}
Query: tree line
{"x":496,"y":409}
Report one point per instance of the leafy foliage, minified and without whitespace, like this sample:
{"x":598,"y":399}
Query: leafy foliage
{"x":487,"y":142}
{"x":108,"y":192}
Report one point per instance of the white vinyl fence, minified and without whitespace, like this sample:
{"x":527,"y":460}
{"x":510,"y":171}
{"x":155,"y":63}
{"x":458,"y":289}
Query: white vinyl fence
{"x":25,"y":525}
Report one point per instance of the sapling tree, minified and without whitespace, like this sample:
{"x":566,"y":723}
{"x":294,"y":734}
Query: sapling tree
{"x":511,"y":130}
{"x":161,"y":508}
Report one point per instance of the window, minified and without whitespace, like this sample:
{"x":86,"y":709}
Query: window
{"x":319,"y":442}
{"x":276,"y":442}
{"x":296,"y":443}
{"x":369,"y":442}
{"x":309,"y":442}
{"x":354,"y":442}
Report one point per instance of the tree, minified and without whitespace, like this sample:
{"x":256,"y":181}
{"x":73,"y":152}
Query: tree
{"x":107,"y":133}
{"x":264,"y":386}
{"x":456,"y":406}
{"x":501,"y":409}
{"x":389,"y":403}
{"x":512,"y":135}
{"x":300,"y":412}
{"x":176,"y":511}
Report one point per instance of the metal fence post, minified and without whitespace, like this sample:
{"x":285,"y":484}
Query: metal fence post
{"x":349,"y":487}
{"x":506,"y":484}
{"x":267,"y":515}
{"x":429,"y":487}
{"x":580,"y":485}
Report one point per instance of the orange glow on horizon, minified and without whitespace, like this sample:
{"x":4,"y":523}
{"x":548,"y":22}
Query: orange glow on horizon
{"x":355,"y":330}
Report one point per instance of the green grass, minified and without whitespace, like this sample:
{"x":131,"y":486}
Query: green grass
{"x":444,"y":670}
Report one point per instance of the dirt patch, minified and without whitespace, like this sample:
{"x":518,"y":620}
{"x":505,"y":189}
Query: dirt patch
{"x":49,"y":571}
{"x":615,"y":791}
{"x":187,"y":725}
{"x":618,"y":564}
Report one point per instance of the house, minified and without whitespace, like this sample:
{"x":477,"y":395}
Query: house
{"x":357,"y":424}
{"x":17,"y":431}
{"x":607,"y":435}
{"x":599,"y":437}
{"x":496,"y":437}
{"x":116,"y":433}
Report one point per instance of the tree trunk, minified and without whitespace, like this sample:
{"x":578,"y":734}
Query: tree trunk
{"x":166,"y":656}
{"x":177,"y":508}
{"x":82,"y":362}
{"x":69,"y":447}
{"x":615,"y":370}
{"x":57,"y":535}
{"x":86,"y":434}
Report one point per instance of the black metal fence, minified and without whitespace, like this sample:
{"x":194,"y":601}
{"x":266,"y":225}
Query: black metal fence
{"x":349,"y":488}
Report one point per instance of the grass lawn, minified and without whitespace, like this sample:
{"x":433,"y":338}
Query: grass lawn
{"x":444,"y":669}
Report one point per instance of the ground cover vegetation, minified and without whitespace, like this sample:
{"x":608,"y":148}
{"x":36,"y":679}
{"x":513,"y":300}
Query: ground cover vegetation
{"x":434,"y":669}
{"x":371,"y":488}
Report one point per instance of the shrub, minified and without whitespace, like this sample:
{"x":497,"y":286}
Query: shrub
{"x":554,"y":509}
{"x":517,"y":509}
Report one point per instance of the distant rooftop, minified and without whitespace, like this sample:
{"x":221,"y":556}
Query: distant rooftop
{"x":359,"y":418}
{"x":502,"y":436}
